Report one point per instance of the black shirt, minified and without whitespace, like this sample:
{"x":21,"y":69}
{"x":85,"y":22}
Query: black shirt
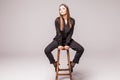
{"x":64,"y":36}
{"x":65,"y":32}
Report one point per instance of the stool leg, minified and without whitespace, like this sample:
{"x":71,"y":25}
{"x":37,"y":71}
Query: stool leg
{"x":57,"y":70}
{"x":68,"y":56}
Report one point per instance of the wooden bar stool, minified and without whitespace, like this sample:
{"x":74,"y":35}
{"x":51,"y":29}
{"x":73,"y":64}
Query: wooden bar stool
{"x":68,"y":69}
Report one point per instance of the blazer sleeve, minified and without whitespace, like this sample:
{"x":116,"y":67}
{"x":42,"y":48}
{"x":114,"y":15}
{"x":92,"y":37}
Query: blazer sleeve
{"x":58,"y":32}
{"x":70,"y":33}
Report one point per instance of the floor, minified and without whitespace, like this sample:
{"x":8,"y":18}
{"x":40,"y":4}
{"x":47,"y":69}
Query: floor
{"x":38,"y":68}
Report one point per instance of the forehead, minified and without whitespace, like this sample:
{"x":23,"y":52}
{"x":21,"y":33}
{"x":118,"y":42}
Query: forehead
{"x":62,"y":6}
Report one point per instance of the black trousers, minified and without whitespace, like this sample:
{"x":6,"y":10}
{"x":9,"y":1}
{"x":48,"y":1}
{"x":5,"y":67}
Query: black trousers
{"x":73,"y":45}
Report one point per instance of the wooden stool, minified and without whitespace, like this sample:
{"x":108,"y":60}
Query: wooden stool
{"x":68,"y":69}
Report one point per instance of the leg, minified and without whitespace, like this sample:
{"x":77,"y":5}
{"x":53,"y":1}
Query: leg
{"x":79,"y":50}
{"x":57,"y":67}
{"x":49,"y":49}
{"x":69,"y":67}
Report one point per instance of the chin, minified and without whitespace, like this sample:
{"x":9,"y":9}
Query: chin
{"x":62,"y":14}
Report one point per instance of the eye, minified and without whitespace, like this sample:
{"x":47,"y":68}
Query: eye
{"x":63,"y":8}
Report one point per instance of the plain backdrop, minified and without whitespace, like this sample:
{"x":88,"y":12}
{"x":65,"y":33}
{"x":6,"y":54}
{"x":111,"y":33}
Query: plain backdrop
{"x":27,"y":27}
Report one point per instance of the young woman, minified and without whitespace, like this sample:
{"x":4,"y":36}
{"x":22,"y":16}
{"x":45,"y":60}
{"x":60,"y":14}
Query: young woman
{"x":64,"y":25}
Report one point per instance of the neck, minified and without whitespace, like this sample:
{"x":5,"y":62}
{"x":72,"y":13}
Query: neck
{"x":65,"y":17}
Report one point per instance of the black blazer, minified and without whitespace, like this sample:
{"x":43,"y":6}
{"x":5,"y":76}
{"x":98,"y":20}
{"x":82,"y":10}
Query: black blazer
{"x":58,"y":36}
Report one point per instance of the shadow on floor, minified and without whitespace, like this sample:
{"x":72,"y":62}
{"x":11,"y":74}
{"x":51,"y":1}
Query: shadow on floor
{"x":81,"y":75}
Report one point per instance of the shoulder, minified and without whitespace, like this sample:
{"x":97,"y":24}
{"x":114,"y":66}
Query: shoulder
{"x":57,"y":19}
{"x":72,"y":20}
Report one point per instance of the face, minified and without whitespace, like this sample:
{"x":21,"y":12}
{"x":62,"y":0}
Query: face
{"x":62,"y":10}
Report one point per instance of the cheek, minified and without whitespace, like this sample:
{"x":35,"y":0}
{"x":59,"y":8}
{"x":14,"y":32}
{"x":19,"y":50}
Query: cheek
{"x":60,"y":12}
{"x":65,"y":11}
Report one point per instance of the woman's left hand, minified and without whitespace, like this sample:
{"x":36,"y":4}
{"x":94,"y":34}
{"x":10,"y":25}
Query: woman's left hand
{"x":66,"y":47}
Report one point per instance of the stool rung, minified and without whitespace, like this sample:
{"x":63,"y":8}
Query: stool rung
{"x":63,"y":69}
{"x":67,"y":70}
{"x":63,"y":74}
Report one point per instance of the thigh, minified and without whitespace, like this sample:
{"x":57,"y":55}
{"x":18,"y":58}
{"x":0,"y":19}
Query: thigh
{"x":52,"y":46}
{"x":76,"y":46}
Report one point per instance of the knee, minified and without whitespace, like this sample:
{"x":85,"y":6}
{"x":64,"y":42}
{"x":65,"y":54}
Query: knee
{"x":81,"y":49}
{"x":46,"y":50}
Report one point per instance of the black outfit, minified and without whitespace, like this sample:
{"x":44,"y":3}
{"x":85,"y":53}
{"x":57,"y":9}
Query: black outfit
{"x":63,"y":38}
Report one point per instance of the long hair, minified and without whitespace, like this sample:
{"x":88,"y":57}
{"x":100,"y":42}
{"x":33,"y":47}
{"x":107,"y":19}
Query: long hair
{"x":68,"y":18}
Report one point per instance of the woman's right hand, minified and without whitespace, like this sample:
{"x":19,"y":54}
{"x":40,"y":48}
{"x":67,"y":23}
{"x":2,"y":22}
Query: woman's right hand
{"x":60,"y":47}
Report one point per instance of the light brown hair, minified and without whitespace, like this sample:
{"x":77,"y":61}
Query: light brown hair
{"x":68,"y":17}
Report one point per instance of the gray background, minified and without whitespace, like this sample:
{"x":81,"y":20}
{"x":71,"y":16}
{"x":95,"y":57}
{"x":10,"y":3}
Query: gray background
{"x":27,"y":27}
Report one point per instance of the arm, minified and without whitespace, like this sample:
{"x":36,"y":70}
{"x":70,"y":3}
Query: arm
{"x":59,"y":35}
{"x":70,"y":33}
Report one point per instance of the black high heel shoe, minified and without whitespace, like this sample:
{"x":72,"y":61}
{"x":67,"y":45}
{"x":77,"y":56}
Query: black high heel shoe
{"x":72,"y":64}
{"x":55,"y":65}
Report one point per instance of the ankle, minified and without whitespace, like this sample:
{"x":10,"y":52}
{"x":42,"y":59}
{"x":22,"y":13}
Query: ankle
{"x":73,"y":64}
{"x":54,"y":64}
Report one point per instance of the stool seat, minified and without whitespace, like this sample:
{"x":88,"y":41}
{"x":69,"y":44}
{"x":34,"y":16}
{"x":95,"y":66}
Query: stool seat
{"x":64,"y":49}
{"x":58,"y":63}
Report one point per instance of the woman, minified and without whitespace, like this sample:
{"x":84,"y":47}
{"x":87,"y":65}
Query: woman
{"x":64,"y":29}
